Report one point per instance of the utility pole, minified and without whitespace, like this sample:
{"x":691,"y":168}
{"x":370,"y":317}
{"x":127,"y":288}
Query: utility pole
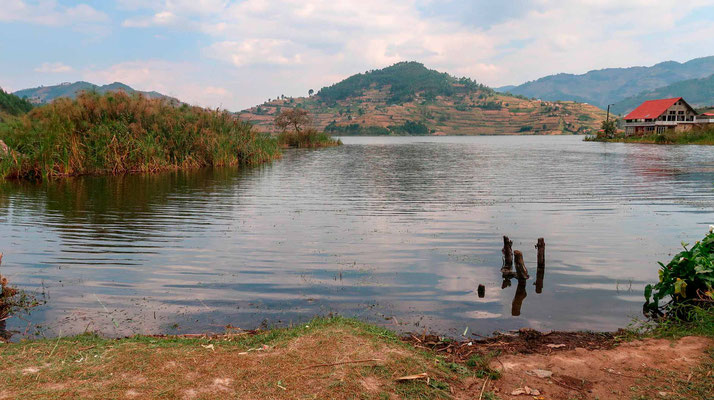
{"x":607,"y":118}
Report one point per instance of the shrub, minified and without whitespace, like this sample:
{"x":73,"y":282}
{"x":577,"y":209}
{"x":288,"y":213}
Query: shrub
{"x":307,"y":138}
{"x":117,"y":133}
{"x":686,"y":280}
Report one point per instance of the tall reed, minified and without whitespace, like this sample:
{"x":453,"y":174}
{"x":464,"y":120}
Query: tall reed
{"x":117,"y":133}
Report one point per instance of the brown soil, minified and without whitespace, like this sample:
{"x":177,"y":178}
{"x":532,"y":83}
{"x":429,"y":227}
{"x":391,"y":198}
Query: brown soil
{"x":631,"y":370}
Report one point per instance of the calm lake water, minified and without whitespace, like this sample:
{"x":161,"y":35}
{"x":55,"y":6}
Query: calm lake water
{"x":398,"y":231}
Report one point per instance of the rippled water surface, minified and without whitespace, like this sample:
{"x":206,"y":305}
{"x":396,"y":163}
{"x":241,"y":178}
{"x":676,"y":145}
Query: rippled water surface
{"x":398,"y":231}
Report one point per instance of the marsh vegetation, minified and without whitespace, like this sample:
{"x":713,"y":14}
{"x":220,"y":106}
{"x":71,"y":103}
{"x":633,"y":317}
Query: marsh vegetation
{"x":117,"y":133}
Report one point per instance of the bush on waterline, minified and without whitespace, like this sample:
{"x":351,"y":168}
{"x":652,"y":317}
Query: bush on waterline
{"x":687,"y":281}
{"x":117,"y":133}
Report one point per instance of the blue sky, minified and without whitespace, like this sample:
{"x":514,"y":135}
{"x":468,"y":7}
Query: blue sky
{"x":235,"y":54}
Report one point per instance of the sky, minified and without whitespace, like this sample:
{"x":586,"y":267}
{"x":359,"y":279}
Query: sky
{"x":236,"y":54}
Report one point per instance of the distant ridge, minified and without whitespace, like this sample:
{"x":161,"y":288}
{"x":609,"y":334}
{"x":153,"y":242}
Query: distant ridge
{"x":407,"y":98}
{"x":611,"y":85}
{"x":45,"y":94}
{"x":697,"y":92}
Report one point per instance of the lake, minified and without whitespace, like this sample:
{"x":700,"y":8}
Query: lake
{"x":394,"y":230}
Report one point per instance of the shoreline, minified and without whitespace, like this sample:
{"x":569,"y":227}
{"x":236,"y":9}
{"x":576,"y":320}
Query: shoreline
{"x":344,"y":358}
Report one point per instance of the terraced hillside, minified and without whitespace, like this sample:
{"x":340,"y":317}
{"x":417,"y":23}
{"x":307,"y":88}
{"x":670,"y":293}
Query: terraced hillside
{"x":408,"y":98}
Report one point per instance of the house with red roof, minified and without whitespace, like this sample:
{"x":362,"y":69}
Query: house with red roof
{"x":657,"y":116}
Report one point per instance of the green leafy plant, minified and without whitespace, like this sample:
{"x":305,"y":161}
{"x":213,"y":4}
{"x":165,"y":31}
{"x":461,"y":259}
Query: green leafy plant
{"x":686,"y":280}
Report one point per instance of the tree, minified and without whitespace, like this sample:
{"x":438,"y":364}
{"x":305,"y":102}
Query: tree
{"x":609,"y":128}
{"x":295,"y":118}
{"x":310,"y":92}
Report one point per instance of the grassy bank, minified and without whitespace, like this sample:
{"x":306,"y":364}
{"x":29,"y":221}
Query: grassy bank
{"x":117,"y":133}
{"x":338,"y":358}
{"x":699,"y":136}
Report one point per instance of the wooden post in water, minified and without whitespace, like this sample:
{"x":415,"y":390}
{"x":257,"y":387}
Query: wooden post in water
{"x":540,"y":272}
{"x":507,"y":252}
{"x":481,"y":291}
{"x":521,"y":270}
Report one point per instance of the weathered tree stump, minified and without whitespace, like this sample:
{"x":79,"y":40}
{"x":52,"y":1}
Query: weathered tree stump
{"x":519,"y":297}
{"x":540,"y":272}
{"x":521,"y":270}
{"x":481,"y":291}
{"x":507,"y":252}
{"x":507,"y":269}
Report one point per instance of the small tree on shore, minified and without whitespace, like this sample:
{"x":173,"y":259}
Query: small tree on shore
{"x":296,"y":118}
{"x":310,"y":92}
{"x":609,"y":128}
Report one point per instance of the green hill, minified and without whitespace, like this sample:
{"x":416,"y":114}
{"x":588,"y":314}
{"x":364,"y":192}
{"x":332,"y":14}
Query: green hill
{"x":45,"y":94}
{"x":404,"y":81}
{"x":607,"y":86}
{"x":697,"y":92}
{"x":12,"y":105}
{"x":409,"y":99}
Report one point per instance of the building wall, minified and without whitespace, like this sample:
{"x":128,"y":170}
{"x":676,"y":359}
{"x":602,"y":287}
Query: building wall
{"x":677,"y":112}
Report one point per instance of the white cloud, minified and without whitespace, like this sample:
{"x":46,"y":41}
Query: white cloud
{"x":266,"y":47}
{"x":257,"y":51}
{"x":54,"y":67}
{"x":49,"y":12}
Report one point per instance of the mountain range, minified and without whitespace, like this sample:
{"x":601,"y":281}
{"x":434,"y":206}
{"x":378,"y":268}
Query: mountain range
{"x":408,"y":98}
{"x":613,"y":85}
{"x":698,"y":93}
{"x":45,"y":94}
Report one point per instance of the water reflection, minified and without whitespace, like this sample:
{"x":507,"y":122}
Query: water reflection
{"x":411,"y":226}
{"x":521,"y":273}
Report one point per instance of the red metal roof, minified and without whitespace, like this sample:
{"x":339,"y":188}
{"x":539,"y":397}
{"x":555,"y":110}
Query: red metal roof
{"x":652,"y":108}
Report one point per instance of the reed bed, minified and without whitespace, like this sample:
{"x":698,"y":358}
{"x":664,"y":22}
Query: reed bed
{"x":117,"y":133}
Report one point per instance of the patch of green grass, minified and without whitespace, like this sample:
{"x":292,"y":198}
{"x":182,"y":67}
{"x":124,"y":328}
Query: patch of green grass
{"x":423,"y":391}
{"x":697,"y":321}
{"x":481,"y":364}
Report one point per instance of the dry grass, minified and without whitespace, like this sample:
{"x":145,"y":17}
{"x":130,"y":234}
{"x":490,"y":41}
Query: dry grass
{"x":277,"y":364}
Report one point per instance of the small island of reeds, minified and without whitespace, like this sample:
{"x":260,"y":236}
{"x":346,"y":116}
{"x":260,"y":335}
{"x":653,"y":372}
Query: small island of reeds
{"x":295,"y":131}
{"x":117,"y":133}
